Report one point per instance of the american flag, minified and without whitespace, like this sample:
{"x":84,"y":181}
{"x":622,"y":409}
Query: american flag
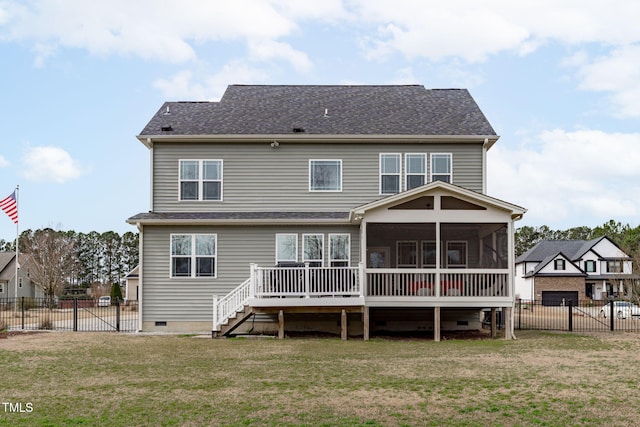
{"x":10,"y":207}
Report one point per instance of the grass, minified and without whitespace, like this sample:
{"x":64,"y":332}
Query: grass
{"x":541,"y":379}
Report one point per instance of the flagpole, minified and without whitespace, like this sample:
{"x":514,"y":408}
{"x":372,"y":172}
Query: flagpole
{"x":17,"y":249}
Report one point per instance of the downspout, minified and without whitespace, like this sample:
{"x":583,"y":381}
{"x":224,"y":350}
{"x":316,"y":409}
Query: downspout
{"x":140,"y":274}
{"x":484,"y":165}
{"x":512,"y":275}
{"x":150,"y":145}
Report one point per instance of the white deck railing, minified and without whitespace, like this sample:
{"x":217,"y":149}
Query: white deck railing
{"x":307,"y":282}
{"x":227,"y":306}
{"x":316,"y":282}
{"x":422,"y":282}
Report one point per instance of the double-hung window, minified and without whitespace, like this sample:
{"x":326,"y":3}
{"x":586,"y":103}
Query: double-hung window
{"x":193,"y":255}
{"x":312,"y":249}
{"x":200,"y":180}
{"x":325,"y":175}
{"x":559,"y":264}
{"x":614,"y":266}
{"x":389,"y":173}
{"x":441,"y":167}
{"x":415,"y":170}
{"x":456,"y":254}
{"x":339,"y":250}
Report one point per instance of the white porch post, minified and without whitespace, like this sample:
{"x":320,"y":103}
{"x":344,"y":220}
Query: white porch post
{"x":362,"y":279}
{"x":438,"y":260}
{"x":306,"y":280}
{"x":215,"y":313}
{"x":252,"y":277}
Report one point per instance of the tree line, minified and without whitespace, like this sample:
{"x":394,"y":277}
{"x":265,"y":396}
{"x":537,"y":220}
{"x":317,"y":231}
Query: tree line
{"x":625,"y":236}
{"x":61,"y":259}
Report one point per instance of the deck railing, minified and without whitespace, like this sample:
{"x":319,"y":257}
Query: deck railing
{"x":307,"y":281}
{"x":422,"y":282}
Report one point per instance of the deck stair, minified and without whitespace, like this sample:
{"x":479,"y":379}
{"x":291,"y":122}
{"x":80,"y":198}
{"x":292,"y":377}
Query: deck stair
{"x":235,"y":320}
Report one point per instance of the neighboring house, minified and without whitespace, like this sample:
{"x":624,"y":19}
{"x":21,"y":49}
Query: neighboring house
{"x":25,"y":287}
{"x":558,"y":271}
{"x":132,"y":285}
{"x":349,"y":209}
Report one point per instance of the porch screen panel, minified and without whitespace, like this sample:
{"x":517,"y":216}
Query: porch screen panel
{"x":475,"y":245}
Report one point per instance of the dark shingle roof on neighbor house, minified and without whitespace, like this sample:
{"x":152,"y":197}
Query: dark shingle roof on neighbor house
{"x":325,"y":110}
{"x":572,"y":249}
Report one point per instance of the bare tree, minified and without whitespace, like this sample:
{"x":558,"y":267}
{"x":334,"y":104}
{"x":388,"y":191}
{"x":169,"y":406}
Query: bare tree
{"x":52,"y":260}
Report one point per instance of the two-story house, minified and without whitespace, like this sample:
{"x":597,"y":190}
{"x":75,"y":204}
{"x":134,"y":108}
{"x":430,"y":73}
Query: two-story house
{"x":351,"y":209}
{"x":558,"y":272}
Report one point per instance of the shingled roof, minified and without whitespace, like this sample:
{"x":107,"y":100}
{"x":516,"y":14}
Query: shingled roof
{"x":325,"y":110}
{"x":572,"y":249}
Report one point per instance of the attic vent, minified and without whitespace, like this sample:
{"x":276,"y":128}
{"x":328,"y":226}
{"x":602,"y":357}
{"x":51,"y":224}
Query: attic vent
{"x":166,"y":128}
{"x":167,"y":111}
{"x":298,"y":130}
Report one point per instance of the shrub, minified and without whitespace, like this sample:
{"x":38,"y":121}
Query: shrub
{"x":116,"y":292}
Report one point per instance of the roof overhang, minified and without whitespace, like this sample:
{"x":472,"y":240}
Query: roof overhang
{"x":516,"y":212}
{"x":239,"y":218}
{"x":487,"y":140}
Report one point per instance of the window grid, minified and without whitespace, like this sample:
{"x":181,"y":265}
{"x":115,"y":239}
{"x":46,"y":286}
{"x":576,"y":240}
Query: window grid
{"x":200,"y":180}
{"x":390,"y":173}
{"x":441,"y":167}
{"x":193,"y":256}
{"x":415,"y":170}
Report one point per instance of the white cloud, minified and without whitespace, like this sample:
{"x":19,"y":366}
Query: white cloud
{"x":567,"y":176}
{"x":618,"y":74}
{"x":50,"y":164}
{"x":3,"y":162}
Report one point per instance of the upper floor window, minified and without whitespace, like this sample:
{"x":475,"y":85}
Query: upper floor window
{"x":389,"y":173}
{"x":590,"y":266}
{"x":416,"y":170}
{"x":200,"y":179}
{"x":339,"y":248}
{"x":441,"y":167}
{"x":614,"y":266}
{"x":325,"y":175}
{"x":193,"y":255}
{"x":558,"y":264}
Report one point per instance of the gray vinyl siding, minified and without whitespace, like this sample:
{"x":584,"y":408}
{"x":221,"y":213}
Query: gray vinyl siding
{"x":258,"y":177}
{"x":182,"y":299}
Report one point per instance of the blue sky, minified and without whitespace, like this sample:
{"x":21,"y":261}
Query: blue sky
{"x":559,"y":81}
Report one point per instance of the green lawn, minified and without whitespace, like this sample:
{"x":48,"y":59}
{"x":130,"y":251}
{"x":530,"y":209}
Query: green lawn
{"x":110,"y":379}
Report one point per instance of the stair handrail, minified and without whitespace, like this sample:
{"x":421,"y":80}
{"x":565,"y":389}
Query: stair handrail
{"x":225,"y":307}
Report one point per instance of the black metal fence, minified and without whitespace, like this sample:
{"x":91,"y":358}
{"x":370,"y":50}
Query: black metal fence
{"x":77,"y":314}
{"x":586,"y":316}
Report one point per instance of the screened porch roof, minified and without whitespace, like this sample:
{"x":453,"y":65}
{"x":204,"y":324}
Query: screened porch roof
{"x":474,"y":199}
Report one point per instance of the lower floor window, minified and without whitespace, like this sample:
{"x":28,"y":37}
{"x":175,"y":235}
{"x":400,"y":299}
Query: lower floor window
{"x":193,"y":255}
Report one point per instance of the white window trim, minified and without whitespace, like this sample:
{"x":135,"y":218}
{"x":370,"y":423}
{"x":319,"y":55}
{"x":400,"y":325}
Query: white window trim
{"x":431,"y":174}
{"x":340,"y":177}
{"x":399,"y":173}
{"x":424,"y":174}
{"x":1,"y":288}
{"x":304,"y":246}
{"x":295,"y":240}
{"x":201,"y":180}
{"x":348,"y":250}
{"x":193,"y":257}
